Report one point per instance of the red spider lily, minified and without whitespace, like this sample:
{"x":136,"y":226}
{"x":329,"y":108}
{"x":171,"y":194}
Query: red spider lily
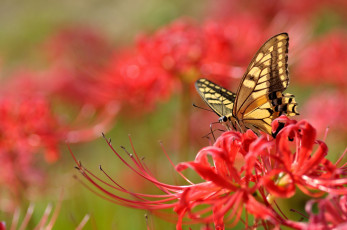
{"x":327,"y":109}
{"x":331,"y":213}
{"x":27,"y":127}
{"x":85,"y":124}
{"x":135,"y":82}
{"x":309,"y":170}
{"x":274,"y":9}
{"x":141,"y":77}
{"x":188,"y":51}
{"x":242,"y":165}
{"x":78,"y":56}
{"x":324,"y":61}
{"x":184,"y":51}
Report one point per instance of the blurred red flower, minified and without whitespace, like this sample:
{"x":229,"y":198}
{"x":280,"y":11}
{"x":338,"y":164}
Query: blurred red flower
{"x":271,"y":10}
{"x":175,"y":56}
{"x":331,"y":214}
{"x":27,"y":127}
{"x":239,"y":172}
{"x":77,"y":57}
{"x":188,"y":51}
{"x":323,"y":61}
{"x":135,"y":82}
{"x":327,"y":110}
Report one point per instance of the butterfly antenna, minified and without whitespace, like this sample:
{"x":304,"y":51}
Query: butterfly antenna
{"x":196,"y":106}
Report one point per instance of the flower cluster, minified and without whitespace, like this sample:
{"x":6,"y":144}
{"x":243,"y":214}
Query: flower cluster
{"x":327,"y":110}
{"x":241,"y":173}
{"x":76,"y":59}
{"x":323,"y":61}
{"x":27,"y":127}
{"x":87,"y":82}
{"x":332,"y":213}
{"x":184,"y":51}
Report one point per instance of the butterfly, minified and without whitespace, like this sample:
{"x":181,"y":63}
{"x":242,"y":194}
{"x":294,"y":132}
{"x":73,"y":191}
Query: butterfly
{"x":259,"y":98}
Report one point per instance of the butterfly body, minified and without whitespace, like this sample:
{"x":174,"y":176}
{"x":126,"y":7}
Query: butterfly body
{"x":259,"y":98}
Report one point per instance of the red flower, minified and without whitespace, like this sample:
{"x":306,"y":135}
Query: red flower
{"x":296,"y":164}
{"x":176,"y":55}
{"x":332,"y":213}
{"x":274,"y":9}
{"x":225,"y":192}
{"x":77,"y":56}
{"x":213,"y":49}
{"x":327,"y":110}
{"x":324,"y":61}
{"x":240,"y":172}
{"x":134,"y":81}
{"x":27,"y":127}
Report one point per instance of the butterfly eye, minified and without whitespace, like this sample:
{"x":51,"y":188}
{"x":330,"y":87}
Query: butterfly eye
{"x":223,"y":119}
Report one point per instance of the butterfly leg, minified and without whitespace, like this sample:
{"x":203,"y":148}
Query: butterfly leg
{"x":212,"y":131}
{"x":239,"y":128}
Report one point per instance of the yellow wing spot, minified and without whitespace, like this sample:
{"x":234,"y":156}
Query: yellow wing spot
{"x":280,"y":64}
{"x":264,"y":78}
{"x":279,"y":44}
{"x":280,"y":37}
{"x":280,"y":56}
{"x":265,"y":71}
{"x":267,"y":63}
{"x":249,"y":84}
{"x":283,"y":77}
{"x":254,"y":72}
{"x":280,"y":71}
{"x":268,"y":120}
{"x":260,"y":101}
{"x":259,"y":93}
{"x":263,"y":85}
{"x":259,"y":114}
{"x":214,"y":102}
{"x":259,"y":57}
{"x":280,"y":50}
{"x":271,"y":49}
{"x":217,"y":95}
{"x":268,"y":56}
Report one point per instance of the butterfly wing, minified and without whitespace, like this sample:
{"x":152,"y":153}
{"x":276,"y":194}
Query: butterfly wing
{"x":259,"y":97}
{"x":219,"y":99}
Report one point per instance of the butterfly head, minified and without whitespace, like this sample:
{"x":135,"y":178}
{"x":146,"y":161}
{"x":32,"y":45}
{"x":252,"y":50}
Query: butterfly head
{"x":223,"y":119}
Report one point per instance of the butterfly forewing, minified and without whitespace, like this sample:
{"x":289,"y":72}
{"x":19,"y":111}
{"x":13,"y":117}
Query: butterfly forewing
{"x":267,"y":73}
{"x":219,"y":99}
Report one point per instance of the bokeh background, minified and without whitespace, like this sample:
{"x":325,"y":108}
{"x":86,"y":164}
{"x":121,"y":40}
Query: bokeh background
{"x":70,"y":70}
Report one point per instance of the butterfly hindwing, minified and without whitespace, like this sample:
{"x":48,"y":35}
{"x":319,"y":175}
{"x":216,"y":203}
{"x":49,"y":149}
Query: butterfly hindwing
{"x":219,"y":99}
